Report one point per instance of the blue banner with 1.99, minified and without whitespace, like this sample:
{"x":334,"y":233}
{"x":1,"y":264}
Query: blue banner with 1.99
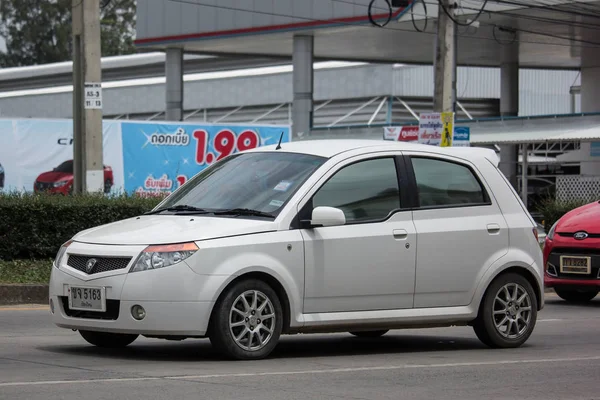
{"x":160,"y":157}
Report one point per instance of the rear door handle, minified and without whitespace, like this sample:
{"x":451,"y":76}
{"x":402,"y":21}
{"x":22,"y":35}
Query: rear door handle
{"x":400,"y":234}
{"x":493,"y":229}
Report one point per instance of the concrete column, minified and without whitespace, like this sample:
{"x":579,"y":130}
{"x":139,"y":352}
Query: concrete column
{"x":509,"y":106}
{"x":590,"y":102}
{"x":174,"y":85}
{"x":302,"y":109}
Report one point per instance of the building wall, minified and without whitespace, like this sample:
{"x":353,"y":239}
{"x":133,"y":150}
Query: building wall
{"x":159,"y":18}
{"x":541,"y":92}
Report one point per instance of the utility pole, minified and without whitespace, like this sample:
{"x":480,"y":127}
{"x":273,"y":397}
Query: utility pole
{"x":444,"y":95}
{"x":88,"y":167}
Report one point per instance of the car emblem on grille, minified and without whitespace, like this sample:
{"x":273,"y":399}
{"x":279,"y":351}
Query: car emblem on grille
{"x":580,"y":235}
{"x":90,"y":265}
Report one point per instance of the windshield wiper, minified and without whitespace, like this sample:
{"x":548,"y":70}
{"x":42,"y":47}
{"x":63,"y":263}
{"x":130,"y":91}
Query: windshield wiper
{"x":244,"y":211}
{"x":182,"y":207}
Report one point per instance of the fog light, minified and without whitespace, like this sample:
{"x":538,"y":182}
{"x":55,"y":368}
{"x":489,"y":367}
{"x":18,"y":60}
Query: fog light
{"x":138,"y":312}
{"x":52,"y":306}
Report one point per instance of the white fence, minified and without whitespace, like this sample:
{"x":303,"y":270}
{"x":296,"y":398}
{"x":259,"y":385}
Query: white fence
{"x":576,"y":187}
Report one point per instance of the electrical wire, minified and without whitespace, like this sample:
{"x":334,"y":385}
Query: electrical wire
{"x":501,"y":28}
{"x":389,"y":17}
{"x":412,"y":16}
{"x":457,"y":22}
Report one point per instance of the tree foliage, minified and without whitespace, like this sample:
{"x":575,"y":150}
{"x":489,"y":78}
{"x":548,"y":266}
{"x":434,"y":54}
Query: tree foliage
{"x":39,"y":31}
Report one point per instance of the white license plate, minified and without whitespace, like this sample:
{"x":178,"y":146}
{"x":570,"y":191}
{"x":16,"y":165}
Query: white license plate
{"x":87,"y":298}
{"x":576,"y":265}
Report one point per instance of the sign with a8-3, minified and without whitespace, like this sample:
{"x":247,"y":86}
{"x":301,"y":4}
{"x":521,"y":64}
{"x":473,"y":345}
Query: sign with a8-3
{"x":92,"y":98}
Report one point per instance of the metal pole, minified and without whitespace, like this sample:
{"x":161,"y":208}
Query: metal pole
{"x":92,"y":74}
{"x":444,"y":61}
{"x":174,"y":84}
{"x":78,"y":152}
{"x":524,"y":173}
{"x":302,"y":108}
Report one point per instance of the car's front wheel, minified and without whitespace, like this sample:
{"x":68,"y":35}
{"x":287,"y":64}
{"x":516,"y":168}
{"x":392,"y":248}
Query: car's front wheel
{"x":576,"y":296}
{"x":247,"y":321}
{"x":508,"y":312}
{"x":110,"y":340}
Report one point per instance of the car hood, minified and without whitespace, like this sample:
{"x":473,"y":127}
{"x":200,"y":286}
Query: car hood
{"x":164,"y":229}
{"x":52,"y":176}
{"x":586,"y":218}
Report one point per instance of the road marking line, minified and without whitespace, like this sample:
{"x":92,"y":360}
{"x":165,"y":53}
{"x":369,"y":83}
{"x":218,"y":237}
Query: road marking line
{"x":306,"y":372}
{"x":39,"y":308}
{"x":549,"y":320}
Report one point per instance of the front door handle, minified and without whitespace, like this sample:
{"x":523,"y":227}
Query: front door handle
{"x":493,"y":229}
{"x":400,"y":234}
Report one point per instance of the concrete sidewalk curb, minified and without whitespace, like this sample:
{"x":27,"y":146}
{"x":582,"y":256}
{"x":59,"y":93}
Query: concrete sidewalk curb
{"x":23,"y":294}
{"x":38,"y":294}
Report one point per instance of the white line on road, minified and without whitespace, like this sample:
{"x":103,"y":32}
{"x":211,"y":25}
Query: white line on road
{"x":306,"y":372}
{"x":549,"y":320}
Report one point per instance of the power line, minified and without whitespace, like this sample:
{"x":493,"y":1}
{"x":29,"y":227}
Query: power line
{"x":388,"y":28}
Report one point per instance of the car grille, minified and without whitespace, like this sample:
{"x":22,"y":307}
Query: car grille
{"x":571,"y":234}
{"x":554,"y":259}
{"x":111,"y":313}
{"x":102,"y":264}
{"x":43,"y":185}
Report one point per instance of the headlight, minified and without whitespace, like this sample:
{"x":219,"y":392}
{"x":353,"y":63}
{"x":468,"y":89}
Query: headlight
{"x":154,"y":257}
{"x":61,"y":253}
{"x":550,"y":234}
{"x":60,"y":183}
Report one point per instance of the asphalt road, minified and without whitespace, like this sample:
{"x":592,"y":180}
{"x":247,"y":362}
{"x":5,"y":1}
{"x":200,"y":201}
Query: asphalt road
{"x":560,"y":361}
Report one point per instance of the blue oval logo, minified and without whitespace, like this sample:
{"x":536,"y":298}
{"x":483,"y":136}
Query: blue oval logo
{"x":580,"y":235}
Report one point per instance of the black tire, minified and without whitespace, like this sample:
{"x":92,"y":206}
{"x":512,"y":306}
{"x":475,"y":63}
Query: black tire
{"x":485,"y":326}
{"x":576,"y":296}
{"x":370,"y":334}
{"x":107,"y":186}
{"x":108,"y":340}
{"x":221,"y":335}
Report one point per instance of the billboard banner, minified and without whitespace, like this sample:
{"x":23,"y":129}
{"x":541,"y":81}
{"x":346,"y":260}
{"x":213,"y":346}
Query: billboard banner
{"x":142,"y":157}
{"x":401,"y":133}
{"x":159,"y":158}
{"x":38,"y":155}
{"x":436,"y":128}
{"x":462,"y":136}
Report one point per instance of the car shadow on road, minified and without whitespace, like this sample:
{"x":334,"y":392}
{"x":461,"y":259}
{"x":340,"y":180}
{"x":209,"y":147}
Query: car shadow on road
{"x":561,"y":303}
{"x":296,"y":346}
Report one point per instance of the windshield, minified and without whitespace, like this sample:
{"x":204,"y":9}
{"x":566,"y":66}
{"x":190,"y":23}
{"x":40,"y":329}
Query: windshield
{"x":66,"y":167}
{"x":254,"y":181}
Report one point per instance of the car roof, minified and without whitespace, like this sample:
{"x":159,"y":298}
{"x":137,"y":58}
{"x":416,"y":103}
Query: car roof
{"x":329,"y":148}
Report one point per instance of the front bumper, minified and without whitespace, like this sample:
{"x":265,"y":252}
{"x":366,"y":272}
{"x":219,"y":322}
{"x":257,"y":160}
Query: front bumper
{"x":550,"y":281}
{"x":177,"y":301}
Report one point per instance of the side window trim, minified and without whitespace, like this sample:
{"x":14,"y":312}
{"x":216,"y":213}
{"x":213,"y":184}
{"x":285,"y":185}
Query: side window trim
{"x":414,"y":192}
{"x":403,"y":183}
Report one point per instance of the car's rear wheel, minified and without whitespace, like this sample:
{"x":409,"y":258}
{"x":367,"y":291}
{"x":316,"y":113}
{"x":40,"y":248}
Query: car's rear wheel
{"x":508,"y":312}
{"x":109,"y":340}
{"x":575,"y":295}
{"x":370,"y":334}
{"x":247,"y":321}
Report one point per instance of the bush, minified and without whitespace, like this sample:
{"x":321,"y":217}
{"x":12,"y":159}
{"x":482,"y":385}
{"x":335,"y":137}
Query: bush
{"x":34,"y":226}
{"x":25,"y":271}
{"x":553,"y":210}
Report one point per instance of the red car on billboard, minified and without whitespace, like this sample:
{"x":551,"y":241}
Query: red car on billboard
{"x":572,"y":254}
{"x":60,"y":179}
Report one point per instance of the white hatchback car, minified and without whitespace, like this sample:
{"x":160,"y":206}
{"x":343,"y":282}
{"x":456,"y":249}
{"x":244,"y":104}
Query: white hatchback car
{"x":315,"y":236}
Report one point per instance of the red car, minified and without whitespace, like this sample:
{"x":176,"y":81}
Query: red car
{"x":572,"y":254}
{"x":60,"y":179}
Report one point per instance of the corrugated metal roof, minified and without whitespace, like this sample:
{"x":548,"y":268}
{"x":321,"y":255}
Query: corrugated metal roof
{"x":517,"y":131}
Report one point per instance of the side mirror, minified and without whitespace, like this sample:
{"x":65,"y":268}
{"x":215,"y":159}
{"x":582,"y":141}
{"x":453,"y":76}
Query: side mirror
{"x":327,"y":216}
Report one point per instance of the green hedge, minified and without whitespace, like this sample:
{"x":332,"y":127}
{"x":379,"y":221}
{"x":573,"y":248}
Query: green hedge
{"x":34,"y":226}
{"x":553,"y":210}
